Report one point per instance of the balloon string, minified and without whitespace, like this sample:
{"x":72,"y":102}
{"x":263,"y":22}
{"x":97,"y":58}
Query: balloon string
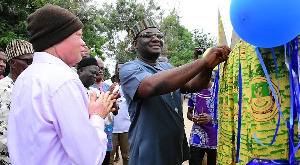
{"x":217,"y":79}
{"x":295,"y":96}
{"x":291,"y":122}
{"x":214,"y":95}
{"x":277,"y":74}
{"x":296,"y":54}
{"x":240,"y":111}
{"x":274,"y":95}
{"x":214,"y":98}
{"x":288,"y":63}
{"x":216,"y":92}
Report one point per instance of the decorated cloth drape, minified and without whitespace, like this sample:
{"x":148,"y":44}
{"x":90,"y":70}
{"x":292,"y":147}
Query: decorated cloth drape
{"x":259,"y":109}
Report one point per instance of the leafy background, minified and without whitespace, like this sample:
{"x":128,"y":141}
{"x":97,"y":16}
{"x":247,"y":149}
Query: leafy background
{"x":106,"y":27}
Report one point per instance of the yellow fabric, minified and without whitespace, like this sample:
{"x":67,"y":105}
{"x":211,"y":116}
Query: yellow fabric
{"x":259,"y":109}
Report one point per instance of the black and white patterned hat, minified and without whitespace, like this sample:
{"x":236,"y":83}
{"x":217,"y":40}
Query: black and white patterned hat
{"x":17,"y":48}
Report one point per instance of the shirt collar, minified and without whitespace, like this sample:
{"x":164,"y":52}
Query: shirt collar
{"x":44,"y":57}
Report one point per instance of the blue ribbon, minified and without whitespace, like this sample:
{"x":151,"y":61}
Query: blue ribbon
{"x":295,"y":95}
{"x":294,"y":68}
{"x":214,"y":98}
{"x":297,"y":77}
{"x":291,"y":123}
{"x":273,"y":93}
{"x":216,"y":93}
{"x":240,"y":112}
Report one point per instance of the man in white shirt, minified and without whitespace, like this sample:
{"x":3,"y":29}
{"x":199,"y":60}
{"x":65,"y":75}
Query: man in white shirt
{"x":51,"y":120}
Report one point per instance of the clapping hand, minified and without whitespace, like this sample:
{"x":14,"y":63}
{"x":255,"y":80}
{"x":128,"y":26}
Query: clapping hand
{"x":101,"y":105}
{"x":116,"y":94}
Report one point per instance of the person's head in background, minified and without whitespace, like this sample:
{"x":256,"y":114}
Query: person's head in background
{"x":117,"y":70}
{"x":19,"y":56}
{"x":58,"y":36}
{"x":100,"y":76}
{"x":88,"y":71}
{"x":162,"y":59}
{"x":2,"y":61}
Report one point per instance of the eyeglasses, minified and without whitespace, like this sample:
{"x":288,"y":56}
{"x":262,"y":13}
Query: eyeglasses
{"x":101,"y":68}
{"x":27,"y":61}
{"x":151,"y":35}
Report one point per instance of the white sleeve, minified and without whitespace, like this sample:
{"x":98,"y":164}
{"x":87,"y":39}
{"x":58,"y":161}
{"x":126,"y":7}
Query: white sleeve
{"x":99,"y":125}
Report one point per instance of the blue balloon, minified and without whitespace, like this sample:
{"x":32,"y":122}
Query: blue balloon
{"x":266,"y":23}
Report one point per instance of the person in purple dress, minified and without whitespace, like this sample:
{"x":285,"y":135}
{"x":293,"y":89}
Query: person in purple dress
{"x":203,"y":137}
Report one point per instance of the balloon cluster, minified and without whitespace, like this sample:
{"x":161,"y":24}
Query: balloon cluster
{"x":266,"y":23}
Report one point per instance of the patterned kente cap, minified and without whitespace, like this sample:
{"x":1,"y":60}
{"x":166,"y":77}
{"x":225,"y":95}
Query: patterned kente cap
{"x":142,"y":25}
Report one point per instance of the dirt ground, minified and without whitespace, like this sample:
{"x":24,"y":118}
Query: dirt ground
{"x":188,"y":127}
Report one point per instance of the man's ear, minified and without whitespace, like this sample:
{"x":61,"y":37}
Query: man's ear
{"x":12,"y":63}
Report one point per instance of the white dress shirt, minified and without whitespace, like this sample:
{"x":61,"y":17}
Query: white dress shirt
{"x":49,"y":122}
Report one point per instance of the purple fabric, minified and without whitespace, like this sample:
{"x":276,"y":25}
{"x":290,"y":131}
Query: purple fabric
{"x":205,"y":132}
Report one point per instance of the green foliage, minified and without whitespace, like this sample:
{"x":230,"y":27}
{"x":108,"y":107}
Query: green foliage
{"x":93,"y":28}
{"x":15,"y":13}
{"x":178,"y":47}
{"x":13,"y":21}
{"x":107,"y":28}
